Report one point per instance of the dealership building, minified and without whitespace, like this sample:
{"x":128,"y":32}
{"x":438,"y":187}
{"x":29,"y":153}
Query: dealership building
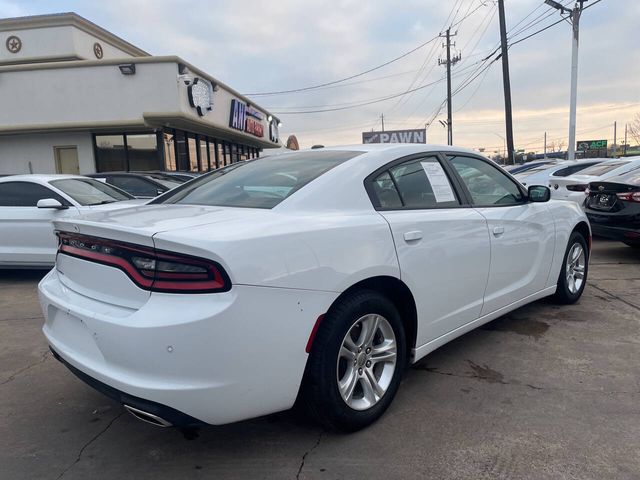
{"x":75,"y":98}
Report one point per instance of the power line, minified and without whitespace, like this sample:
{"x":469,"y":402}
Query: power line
{"x":282,"y":92}
{"x":277,"y":110}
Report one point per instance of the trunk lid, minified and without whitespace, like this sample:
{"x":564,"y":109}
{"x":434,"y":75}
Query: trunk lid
{"x":603,"y":196}
{"x":137,"y":226}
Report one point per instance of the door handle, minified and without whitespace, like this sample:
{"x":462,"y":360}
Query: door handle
{"x":497,"y":231}
{"x":412,"y":236}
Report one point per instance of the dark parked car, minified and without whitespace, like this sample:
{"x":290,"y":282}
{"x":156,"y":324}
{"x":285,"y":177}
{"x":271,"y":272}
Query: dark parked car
{"x":173,"y":177}
{"x":513,"y":169}
{"x":613,"y":208}
{"x":136,"y":184}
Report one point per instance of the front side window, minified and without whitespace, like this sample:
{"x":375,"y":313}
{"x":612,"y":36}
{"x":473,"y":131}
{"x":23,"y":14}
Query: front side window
{"x":486,"y":184}
{"x":262,"y":183}
{"x":88,"y":191}
{"x":26,"y":194}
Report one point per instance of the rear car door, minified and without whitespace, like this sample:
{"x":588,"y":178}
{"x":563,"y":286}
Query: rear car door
{"x":522,"y":233}
{"x":443,"y":248}
{"x":26,"y":232}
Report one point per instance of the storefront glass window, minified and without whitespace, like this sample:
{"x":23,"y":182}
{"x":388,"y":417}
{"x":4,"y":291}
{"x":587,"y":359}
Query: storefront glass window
{"x":169,"y":152}
{"x":110,"y":153}
{"x":204,"y":167}
{"x":143,"y":152}
{"x":193,"y":155}
{"x":182,"y":151}
{"x":212,"y":153}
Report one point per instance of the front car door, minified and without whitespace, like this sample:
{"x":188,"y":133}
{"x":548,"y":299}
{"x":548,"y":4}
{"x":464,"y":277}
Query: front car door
{"x":522,"y":233}
{"x":26,"y":231}
{"x":443,"y":249}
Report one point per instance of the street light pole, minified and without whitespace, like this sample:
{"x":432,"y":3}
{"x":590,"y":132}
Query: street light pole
{"x":575,"y":27}
{"x":504,"y":149}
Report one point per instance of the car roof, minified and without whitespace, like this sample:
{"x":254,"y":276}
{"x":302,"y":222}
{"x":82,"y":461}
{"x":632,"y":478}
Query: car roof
{"x":38,"y":177}
{"x":400,"y":147}
{"x":397,"y":150}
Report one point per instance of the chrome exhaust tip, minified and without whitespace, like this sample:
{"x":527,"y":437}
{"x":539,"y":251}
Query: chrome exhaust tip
{"x":147,"y":417}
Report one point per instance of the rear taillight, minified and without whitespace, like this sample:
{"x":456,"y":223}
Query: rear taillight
{"x":629,"y":196}
{"x":577,"y":188}
{"x":150,"y":269}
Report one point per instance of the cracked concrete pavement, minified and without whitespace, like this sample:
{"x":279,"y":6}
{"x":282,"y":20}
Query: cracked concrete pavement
{"x":544,"y":392}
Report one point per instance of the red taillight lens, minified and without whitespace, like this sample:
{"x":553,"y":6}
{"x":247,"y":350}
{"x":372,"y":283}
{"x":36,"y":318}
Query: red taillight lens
{"x":629,"y":196}
{"x":577,"y":188}
{"x":150,"y":269}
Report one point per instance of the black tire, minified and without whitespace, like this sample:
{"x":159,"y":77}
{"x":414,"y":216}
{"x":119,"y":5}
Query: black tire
{"x":563,"y":295}
{"x":320,"y":392}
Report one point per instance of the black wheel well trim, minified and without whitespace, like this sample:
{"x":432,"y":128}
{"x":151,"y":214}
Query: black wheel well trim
{"x":583,"y":228}
{"x":397,"y":292}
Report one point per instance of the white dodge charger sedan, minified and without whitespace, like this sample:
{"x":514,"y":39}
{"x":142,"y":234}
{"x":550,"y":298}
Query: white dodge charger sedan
{"x":314,"y":276}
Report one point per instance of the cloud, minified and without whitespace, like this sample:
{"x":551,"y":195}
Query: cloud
{"x":258,"y":46}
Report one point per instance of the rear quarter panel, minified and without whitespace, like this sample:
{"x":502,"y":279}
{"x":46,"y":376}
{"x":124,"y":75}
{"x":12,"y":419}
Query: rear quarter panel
{"x":319,"y":251}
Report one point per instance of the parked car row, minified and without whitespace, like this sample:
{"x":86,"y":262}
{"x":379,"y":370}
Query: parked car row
{"x":613,"y":208}
{"x":607,"y":189}
{"x":30,"y":203}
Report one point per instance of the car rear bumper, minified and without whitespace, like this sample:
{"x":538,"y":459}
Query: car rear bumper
{"x":171,"y":416}
{"x":212,"y":358}
{"x":616,"y":233}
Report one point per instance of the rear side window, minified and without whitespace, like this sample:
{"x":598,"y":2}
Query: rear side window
{"x":385,"y":192}
{"x":26,"y":194}
{"x":261,"y":183}
{"x":414,"y":184}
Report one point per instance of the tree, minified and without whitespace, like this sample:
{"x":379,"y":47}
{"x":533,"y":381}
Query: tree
{"x":557,"y":145}
{"x":633,"y":129}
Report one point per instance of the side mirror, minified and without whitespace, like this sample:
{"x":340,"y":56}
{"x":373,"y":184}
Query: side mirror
{"x":50,"y":203}
{"x":539,"y":193}
{"x":159,"y":191}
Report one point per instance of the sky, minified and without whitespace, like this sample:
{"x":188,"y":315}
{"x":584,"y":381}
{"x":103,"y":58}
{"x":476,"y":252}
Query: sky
{"x":278,"y":45}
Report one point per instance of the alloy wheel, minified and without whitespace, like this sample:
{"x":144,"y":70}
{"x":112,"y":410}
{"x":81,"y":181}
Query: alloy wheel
{"x":366,"y":361}
{"x":575,"y":268}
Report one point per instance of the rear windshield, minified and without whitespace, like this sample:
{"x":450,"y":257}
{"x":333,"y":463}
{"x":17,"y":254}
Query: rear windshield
{"x":631,"y":178}
{"x":531,"y":171}
{"x":87,"y":191}
{"x":261,"y":183}
{"x":572,"y":169}
{"x":601,"y":169}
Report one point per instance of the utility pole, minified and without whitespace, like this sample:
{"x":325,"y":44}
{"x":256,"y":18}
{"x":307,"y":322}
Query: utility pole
{"x":382,"y":118}
{"x":615,"y":138}
{"x":506,"y":83}
{"x":545,"y":144}
{"x":449,"y":62}
{"x":575,"y":27}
